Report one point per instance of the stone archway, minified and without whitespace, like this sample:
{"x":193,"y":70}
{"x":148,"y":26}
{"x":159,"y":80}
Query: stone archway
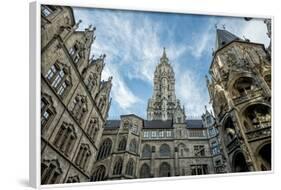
{"x":239,"y":163}
{"x":264,"y":157}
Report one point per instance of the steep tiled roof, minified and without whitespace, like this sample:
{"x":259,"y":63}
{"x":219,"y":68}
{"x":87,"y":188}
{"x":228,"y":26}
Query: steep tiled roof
{"x":194,"y":123}
{"x":112,"y":124}
{"x":158,"y":124}
{"x":224,"y":37}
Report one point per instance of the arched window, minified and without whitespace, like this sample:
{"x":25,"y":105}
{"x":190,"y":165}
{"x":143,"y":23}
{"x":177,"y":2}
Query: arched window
{"x":105,"y":149}
{"x":145,"y":171}
{"x":165,"y":150}
{"x":243,"y":86}
{"x":146,"y":151}
{"x":83,"y":156}
{"x":130,"y":167}
{"x":99,"y":173}
{"x":164,"y":170}
{"x":79,"y":108}
{"x":258,"y":116}
{"x":47,"y":111}
{"x":117,"y":170}
{"x":93,"y":128}
{"x":65,"y":138}
{"x":122,"y":144}
{"x":59,"y":79}
{"x":73,"y":179}
{"x":133,"y":146}
{"x":229,"y":133}
{"x":50,"y":171}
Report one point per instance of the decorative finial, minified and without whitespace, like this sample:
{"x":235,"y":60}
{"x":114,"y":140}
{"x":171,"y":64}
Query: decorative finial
{"x":246,"y":39}
{"x":77,"y":24}
{"x":164,"y":52}
{"x":92,"y":58}
{"x":90,"y":26}
{"x":207,"y":79}
{"x":223,"y":26}
{"x":216,"y":26}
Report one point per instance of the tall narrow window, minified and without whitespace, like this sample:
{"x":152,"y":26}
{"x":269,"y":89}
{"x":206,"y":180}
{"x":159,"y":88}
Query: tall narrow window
{"x":65,"y":138}
{"x":47,"y":111}
{"x":57,"y":76}
{"x":83,"y":156}
{"x":101,"y":104}
{"x":51,"y":172}
{"x":93,"y":128}
{"x":79,"y":108}
{"x":165,"y":170}
{"x":130,"y":168}
{"x":122,"y":144}
{"x":199,"y":169}
{"x":117,"y":170}
{"x":146,"y":151}
{"x":74,"y":52}
{"x":105,"y":149}
{"x":165,"y":150}
{"x":99,"y":173}
{"x":133,"y":146}
{"x":145,"y":171}
{"x":199,"y":150}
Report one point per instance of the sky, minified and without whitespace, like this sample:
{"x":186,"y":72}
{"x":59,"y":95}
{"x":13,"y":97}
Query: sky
{"x":133,"y":42}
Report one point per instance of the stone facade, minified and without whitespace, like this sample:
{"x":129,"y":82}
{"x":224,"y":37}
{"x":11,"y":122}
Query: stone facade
{"x":240,"y":91}
{"x":74,"y":100}
{"x":166,"y":144}
{"x":79,"y":143}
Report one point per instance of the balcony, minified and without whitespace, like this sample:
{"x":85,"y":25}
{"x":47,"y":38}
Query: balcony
{"x":262,"y":130}
{"x":247,"y":95}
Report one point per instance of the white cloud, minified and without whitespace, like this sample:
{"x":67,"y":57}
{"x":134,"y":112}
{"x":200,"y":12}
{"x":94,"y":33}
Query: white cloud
{"x":133,"y":47}
{"x":120,"y":92}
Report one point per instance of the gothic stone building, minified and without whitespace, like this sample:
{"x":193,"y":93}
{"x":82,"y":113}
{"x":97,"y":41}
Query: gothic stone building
{"x":79,"y":144}
{"x":240,"y":91}
{"x":74,"y":100}
{"x":166,"y":144}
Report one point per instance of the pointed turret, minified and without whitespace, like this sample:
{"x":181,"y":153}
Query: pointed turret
{"x":164,"y":58}
{"x":224,"y":37}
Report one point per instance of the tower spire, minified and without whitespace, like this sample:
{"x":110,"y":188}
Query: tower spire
{"x":164,"y":57}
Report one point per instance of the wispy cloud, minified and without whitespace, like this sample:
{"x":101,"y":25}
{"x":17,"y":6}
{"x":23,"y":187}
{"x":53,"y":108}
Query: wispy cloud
{"x":134,"y":43}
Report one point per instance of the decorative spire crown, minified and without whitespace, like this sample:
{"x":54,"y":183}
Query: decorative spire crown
{"x":164,"y":57}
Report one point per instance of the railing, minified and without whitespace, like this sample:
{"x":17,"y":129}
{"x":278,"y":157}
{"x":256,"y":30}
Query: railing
{"x":249,"y":95}
{"x":259,"y":132}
